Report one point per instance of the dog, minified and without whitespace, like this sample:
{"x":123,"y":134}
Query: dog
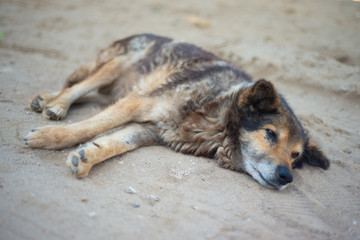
{"x":162,"y":92}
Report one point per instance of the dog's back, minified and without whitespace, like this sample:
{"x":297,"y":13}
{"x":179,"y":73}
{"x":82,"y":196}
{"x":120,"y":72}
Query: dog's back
{"x":155,"y":66}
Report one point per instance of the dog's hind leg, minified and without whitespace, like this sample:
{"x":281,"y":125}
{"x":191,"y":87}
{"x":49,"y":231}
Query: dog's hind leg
{"x":128,"y":109}
{"x":107,"y":67}
{"x":38,"y":103}
{"x":42,"y":99}
{"x":57,"y":108}
{"x":130,"y":137}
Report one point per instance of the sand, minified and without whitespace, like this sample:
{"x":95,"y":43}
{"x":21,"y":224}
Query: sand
{"x":309,"y":49}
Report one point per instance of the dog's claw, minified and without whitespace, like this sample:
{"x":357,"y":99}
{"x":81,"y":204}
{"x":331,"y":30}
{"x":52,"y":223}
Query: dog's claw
{"x":51,"y":115}
{"x":55,"y":113}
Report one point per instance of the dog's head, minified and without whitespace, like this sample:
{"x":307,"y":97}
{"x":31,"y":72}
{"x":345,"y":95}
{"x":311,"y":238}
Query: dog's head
{"x":272,"y":140}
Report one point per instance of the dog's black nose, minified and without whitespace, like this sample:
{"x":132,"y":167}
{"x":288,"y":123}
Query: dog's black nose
{"x":284,"y":175}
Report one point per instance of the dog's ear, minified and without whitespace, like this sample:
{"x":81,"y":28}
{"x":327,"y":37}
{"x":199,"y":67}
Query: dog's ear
{"x":313,"y":156}
{"x":262,"y":96}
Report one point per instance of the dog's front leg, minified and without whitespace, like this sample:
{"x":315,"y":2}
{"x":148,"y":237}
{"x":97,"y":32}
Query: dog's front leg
{"x":129,"y":138}
{"x":128,"y":109}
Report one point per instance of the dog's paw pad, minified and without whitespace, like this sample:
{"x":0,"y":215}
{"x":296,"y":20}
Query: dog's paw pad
{"x":78,"y":163}
{"x":75,"y":161}
{"x":82,"y":155}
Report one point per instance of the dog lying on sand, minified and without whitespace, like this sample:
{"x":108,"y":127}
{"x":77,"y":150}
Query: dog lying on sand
{"x":175,"y":94}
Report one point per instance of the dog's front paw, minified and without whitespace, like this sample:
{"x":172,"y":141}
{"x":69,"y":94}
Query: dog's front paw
{"x":35,"y":139}
{"x":54,"y":112}
{"x":49,"y":137}
{"x":78,"y":162}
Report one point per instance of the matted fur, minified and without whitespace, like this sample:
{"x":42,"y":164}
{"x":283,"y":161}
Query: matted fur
{"x":177,"y":95}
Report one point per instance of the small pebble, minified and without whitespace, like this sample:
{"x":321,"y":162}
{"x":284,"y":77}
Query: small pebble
{"x":152,"y":199}
{"x":92,"y":214}
{"x":347,"y":151}
{"x":199,"y":21}
{"x":131,"y":190}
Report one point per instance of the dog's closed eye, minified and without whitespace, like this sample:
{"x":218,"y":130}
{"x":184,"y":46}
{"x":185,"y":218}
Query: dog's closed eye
{"x":294,"y":155}
{"x":271,"y":135}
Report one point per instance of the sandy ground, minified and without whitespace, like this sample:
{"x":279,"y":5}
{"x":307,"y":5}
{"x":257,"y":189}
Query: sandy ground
{"x":309,"y":49}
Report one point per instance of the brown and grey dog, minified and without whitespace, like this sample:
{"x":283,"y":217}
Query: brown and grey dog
{"x":178,"y":95}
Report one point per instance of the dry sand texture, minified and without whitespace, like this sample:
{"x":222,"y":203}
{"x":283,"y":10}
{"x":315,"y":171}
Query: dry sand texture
{"x":309,"y":49}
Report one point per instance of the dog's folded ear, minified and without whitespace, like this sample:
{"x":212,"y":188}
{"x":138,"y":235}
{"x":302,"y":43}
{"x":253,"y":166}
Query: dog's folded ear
{"x":262,"y":96}
{"x":313,"y":156}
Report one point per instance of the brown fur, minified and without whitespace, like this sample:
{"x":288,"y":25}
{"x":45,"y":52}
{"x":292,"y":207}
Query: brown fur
{"x":178,"y":95}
